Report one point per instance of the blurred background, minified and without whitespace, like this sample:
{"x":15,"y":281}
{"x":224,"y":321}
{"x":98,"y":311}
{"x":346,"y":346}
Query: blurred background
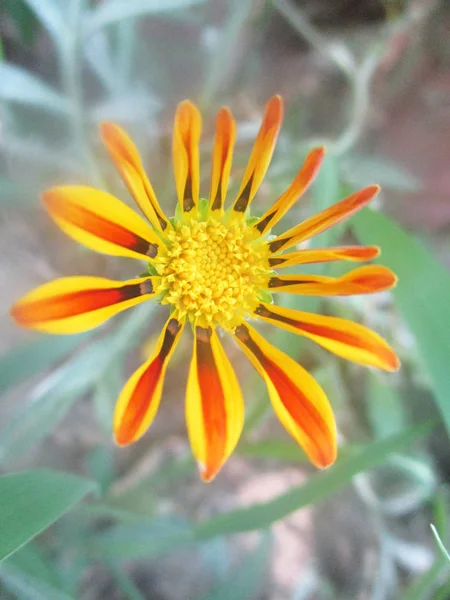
{"x":371,"y":79}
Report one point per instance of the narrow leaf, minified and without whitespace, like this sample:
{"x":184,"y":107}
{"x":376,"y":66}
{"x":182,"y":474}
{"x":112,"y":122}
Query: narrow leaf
{"x":114,"y":11}
{"x":318,"y":487}
{"x":27,"y":587}
{"x":422,"y":296}
{"x":18,"y":85}
{"x":33,"y":356}
{"x":51,"y":17}
{"x":246,"y":579}
{"x":32,"y":500}
{"x":440,"y":543}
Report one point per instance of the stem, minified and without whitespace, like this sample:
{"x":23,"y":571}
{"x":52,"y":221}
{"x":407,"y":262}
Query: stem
{"x":225,"y":50}
{"x":338,"y":54}
{"x":360,"y":86}
{"x":70,"y":65}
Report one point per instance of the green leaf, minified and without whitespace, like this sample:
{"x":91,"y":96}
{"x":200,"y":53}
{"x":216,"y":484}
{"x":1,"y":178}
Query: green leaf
{"x":27,"y":587}
{"x":23,"y":18}
{"x":55,"y":395}
{"x":51,"y":17}
{"x":424,"y":587}
{"x":32,"y":500}
{"x":385,"y":409}
{"x":440,"y":543}
{"x":30,"y":559}
{"x":247,"y":579}
{"x":143,"y":539}
{"x":325,"y":192}
{"x":33,"y":356}
{"x":19,"y":85}
{"x":272,"y":450}
{"x":51,"y":401}
{"x":150,"y":538}
{"x":317,"y":488}
{"x":115,"y":11}
{"x":422,"y":296}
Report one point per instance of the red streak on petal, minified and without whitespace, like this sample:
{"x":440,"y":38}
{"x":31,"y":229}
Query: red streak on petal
{"x":213,"y":404}
{"x":139,"y":403}
{"x":71,"y":304}
{"x":98,"y":225}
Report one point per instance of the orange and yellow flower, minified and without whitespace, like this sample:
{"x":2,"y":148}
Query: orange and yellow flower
{"x":215,"y":269}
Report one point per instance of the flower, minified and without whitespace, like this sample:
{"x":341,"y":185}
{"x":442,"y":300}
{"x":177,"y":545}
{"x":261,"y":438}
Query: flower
{"x":215,"y":270}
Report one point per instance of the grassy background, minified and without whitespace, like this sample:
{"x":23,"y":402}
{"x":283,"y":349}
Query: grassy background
{"x":369,"y":79}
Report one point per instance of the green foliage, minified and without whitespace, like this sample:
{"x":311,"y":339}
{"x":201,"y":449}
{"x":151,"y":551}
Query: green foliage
{"x":247,"y":579}
{"x":25,"y":88}
{"x":116,"y":11}
{"x":421,"y":296}
{"x":32,"y":500}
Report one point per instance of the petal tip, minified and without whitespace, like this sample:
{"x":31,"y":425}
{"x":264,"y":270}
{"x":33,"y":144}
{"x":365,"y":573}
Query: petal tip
{"x":121,"y":438}
{"x":207,"y":473}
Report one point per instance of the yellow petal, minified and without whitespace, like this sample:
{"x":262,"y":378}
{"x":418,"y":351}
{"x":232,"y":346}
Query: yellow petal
{"x":139,"y":400}
{"x":321,"y":255}
{"x":74,"y":304}
{"x":297,"y":398}
{"x":364,"y":280}
{"x":325,"y":219}
{"x":214,"y":404}
{"x":298,"y":187}
{"x":101,"y":222}
{"x":128,"y":163}
{"x":186,"y":137}
{"x":345,"y":338}
{"x":222,"y":157}
{"x":261,"y":154}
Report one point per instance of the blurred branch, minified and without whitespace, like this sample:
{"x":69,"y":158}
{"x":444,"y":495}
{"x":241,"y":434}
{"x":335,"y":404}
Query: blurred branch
{"x":70,"y":65}
{"x":224,"y":50}
{"x":338,"y":53}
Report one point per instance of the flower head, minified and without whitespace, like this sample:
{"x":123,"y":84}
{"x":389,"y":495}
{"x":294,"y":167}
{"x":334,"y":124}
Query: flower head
{"x":215,"y":269}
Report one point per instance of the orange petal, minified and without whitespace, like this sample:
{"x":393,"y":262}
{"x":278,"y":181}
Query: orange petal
{"x":128,"y":163}
{"x":345,"y":338}
{"x":139,"y":400}
{"x":186,"y":137}
{"x":321,"y":255}
{"x":214,"y":404}
{"x":364,"y":280}
{"x":297,"y":398}
{"x":325,"y":219}
{"x":298,"y":187}
{"x":101,"y":222}
{"x":261,"y":154}
{"x":222,"y":157}
{"x":75,"y":304}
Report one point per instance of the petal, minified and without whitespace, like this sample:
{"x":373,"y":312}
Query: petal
{"x":298,"y":187}
{"x":214,"y":404}
{"x":139,"y":400}
{"x":345,"y":338}
{"x":74,"y":304}
{"x":321,"y":255}
{"x":364,"y":280}
{"x":261,"y":154}
{"x":186,"y":137}
{"x":325,"y":219}
{"x":128,"y":163}
{"x":297,"y":398}
{"x":101,"y":222}
{"x":222,"y":157}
